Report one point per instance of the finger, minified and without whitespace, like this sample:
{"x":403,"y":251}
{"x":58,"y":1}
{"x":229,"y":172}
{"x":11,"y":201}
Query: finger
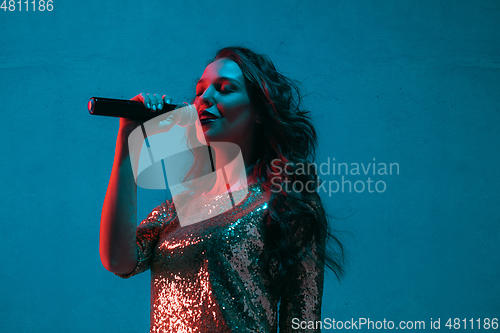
{"x":155,"y":102}
{"x":161,"y":126}
{"x":138,"y":98}
{"x":177,"y":113}
{"x":147,"y":101}
{"x":167,"y":99}
{"x":166,"y":124}
{"x":159,"y":101}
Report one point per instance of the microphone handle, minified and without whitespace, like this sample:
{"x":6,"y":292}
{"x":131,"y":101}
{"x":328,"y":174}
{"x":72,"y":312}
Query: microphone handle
{"x":124,"y":108}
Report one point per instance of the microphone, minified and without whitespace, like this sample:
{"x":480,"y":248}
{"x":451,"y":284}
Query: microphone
{"x":134,"y":110}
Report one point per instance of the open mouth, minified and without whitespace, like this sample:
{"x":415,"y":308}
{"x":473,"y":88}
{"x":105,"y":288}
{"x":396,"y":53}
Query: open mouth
{"x":207,"y":117}
{"x":206,"y":121}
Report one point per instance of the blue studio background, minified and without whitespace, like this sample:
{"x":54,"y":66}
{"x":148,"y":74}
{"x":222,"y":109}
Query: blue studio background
{"x":409,"y":82}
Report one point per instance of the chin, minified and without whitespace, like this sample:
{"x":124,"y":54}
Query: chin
{"x":209,"y":134}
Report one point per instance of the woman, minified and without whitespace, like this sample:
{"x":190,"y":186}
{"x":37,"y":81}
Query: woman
{"x":263,"y":258}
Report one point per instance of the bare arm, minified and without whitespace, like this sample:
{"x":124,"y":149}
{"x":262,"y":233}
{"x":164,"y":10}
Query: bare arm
{"x":117,"y":244}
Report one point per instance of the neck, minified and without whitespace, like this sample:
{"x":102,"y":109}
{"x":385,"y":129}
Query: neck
{"x":231,"y":165}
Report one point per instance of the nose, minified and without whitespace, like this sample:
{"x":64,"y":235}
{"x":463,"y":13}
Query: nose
{"x":207,"y":98}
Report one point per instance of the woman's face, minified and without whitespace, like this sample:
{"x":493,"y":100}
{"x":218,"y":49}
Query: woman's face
{"x":223,"y":104}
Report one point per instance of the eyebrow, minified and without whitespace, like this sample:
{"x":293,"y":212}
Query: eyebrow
{"x":220,"y":78}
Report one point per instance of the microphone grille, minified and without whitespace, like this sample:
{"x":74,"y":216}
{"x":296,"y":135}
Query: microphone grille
{"x":189,"y":115}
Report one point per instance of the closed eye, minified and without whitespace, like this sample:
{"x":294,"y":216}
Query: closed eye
{"x":223,"y":85}
{"x":199,"y":92}
{"x":222,"y":89}
{"x":225,"y":89}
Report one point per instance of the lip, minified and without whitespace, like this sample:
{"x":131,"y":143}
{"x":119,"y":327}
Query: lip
{"x":206,"y":117}
{"x":206,"y":114}
{"x":205,"y":122}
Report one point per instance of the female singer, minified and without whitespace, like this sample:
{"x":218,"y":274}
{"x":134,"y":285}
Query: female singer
{"x":258,"y":266}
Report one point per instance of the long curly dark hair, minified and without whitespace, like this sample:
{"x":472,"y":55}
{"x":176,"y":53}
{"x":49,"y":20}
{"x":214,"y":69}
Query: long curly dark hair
{"x":286,"y":147}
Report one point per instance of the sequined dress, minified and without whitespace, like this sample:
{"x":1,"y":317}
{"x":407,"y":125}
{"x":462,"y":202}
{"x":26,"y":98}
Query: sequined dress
{"x":216,"y":275}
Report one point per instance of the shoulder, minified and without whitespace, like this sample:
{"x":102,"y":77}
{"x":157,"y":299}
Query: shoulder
{"x":163,"y":213}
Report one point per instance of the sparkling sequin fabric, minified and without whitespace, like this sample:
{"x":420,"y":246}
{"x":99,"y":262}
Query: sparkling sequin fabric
{"x":216,"y":275}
